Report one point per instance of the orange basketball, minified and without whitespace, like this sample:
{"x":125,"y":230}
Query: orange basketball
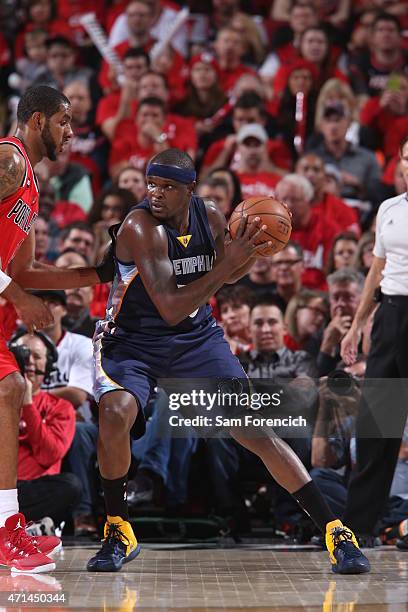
{"x":273,"y":214}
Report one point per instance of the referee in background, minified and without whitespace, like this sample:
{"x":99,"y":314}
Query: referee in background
{"x":382,"y":415}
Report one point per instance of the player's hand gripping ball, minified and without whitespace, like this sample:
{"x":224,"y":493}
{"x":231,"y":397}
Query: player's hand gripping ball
{"x":273,"y":214}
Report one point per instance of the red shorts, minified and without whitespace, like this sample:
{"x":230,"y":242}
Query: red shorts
{"x":8,"y":364}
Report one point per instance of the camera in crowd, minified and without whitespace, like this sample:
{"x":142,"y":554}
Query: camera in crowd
{"x":22,"y":354}
{"x":342,"y":383}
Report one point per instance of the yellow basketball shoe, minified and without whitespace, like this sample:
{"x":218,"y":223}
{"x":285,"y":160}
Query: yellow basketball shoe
{"x":119,"y":546}
{"x":345,"y":554}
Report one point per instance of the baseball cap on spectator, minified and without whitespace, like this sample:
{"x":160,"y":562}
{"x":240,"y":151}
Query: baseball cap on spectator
{"x":252,"y":130}
{"x":204,"y":58}
{"x":334,"y":109}
{"x":55,"y":294}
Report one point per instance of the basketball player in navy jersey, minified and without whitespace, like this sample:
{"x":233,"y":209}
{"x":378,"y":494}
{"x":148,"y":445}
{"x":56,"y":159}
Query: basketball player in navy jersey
{"x":171,"y":257}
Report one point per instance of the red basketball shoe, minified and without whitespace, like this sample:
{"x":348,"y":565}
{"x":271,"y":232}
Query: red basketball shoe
{"x":17,"y":550}
{"x":46,"y":544}
{"x":43,"y":536}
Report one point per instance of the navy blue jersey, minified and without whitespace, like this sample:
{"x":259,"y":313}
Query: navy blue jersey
{"x":129,"y":305}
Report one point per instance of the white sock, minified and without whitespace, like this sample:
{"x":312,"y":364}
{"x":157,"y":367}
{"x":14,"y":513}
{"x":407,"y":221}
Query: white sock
{"x":8,"y":504}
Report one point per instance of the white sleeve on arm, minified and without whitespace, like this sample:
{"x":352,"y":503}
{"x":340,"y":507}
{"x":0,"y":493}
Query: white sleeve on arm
{"x":4,"y":281}
{"x":379,"y":250}
{"x":270,"y":66}
{"x":81,"y":372}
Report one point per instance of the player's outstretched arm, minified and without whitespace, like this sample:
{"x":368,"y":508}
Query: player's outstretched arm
{"x":142,"y":239}
{"x":12,"y":170}
{"x":32,"y":274}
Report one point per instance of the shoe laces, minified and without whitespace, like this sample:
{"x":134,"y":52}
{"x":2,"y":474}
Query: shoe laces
{"x":341,"y":534}
{"x":114,"y":537}
{"x":22,"y":542}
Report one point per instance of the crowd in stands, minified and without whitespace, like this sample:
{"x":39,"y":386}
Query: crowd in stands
{"x":302,"y":99}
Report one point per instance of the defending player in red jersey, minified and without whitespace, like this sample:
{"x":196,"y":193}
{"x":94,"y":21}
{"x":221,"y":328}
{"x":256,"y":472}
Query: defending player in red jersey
{"x":43,"y":130}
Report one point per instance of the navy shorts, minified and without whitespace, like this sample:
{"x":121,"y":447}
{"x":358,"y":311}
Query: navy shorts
{"x":134,"y":361}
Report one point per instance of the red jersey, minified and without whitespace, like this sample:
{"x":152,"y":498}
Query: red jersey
{"x":125,"y":145}
{"x":339,"y":213}
{"x":228,"y":78}
{"x":258,"y":184}
{"x":46,"y":430}
{"x":316,"y":240}
{"x":390,"y":127}
{"x":108,"y":107}
{"x":19,"y":211}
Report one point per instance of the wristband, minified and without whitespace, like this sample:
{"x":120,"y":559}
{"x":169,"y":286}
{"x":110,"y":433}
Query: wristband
{"x":4,"y":281}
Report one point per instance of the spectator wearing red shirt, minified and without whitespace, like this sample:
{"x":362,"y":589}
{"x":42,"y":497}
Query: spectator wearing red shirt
{"x":204,"y":96}
{"x":140,"y":18}
{"x":154,"y":85}
{"x":387,"y":114}
{"x":315,"y":48}
{"x":249,"y":108}
{"x":122,"y":103}
{"x":334,"y":209}
{"x":299,"y":77}
{"x":42,"y":14}
{"x":229,"y":51}
{"x":165,"y":13}
{"x":223,"y":12}
{"x":311,"y":229}
{"x":370,"y":70}
{"x":257,"y":175}
{"x":71,"y":10}
{"x":334,"y":12}
{"x":151,"y":133}
{"x":286,"y":41}
{"x":47,"y":428}
{"x":173,"y":66}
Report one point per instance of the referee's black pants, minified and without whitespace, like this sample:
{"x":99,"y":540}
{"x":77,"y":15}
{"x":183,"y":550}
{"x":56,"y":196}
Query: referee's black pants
{"x":382,"y":416}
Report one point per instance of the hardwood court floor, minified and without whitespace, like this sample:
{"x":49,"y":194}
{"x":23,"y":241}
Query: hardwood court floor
{"x":207,"y":579}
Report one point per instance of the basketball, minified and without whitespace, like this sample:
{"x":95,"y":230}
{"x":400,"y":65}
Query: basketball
{"x":273,"y":214}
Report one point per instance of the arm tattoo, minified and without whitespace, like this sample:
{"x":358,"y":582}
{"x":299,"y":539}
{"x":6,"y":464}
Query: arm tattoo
{"x":12,"y":169}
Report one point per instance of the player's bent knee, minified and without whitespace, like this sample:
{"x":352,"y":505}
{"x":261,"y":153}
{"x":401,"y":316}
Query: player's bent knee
{"x":12,"y":389}
{"x":117,"y":411}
